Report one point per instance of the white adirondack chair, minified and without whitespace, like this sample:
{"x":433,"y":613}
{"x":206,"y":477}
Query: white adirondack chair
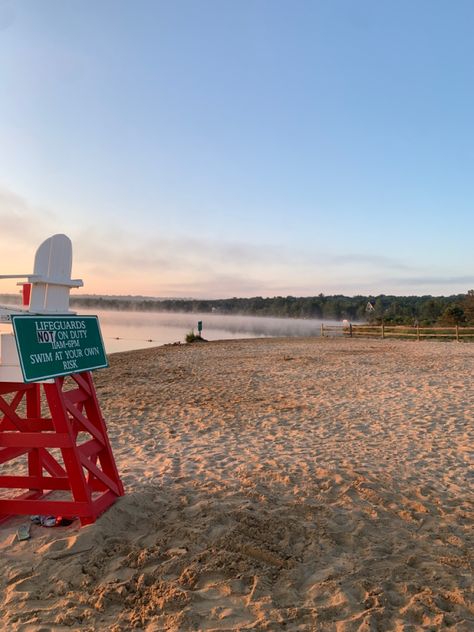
{"x":50,"y":281}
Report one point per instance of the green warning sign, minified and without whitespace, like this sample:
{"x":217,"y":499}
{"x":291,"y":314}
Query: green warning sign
{"x":50,"y":346}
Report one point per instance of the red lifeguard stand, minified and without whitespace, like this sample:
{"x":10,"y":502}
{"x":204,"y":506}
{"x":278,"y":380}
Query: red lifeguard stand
{"x":55,"y":455}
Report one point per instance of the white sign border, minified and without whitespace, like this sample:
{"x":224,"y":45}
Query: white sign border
{"x":51,"y":377}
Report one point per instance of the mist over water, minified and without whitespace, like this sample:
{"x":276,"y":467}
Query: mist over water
{"x":124,"y":331}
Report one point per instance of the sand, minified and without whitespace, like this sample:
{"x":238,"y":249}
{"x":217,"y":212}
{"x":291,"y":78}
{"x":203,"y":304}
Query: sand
{"x":284,"y":484}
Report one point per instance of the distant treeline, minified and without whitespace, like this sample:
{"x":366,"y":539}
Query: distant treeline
{"x":403,"y":310}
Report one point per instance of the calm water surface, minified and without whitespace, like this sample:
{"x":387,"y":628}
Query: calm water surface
{"x":123,"y":331}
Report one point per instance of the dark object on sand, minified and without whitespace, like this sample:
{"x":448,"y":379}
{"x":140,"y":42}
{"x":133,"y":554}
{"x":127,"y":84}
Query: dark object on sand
{"x":23,"y":532}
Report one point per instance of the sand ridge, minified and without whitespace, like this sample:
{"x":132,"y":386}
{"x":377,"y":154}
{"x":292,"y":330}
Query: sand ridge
{"x":282,"y":484}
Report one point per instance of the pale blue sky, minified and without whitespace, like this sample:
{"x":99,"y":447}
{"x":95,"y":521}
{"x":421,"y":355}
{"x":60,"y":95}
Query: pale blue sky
{"x":217,"y":148}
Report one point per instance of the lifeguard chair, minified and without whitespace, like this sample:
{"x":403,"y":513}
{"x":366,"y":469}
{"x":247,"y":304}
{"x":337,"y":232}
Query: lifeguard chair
{"x":53,"y":437}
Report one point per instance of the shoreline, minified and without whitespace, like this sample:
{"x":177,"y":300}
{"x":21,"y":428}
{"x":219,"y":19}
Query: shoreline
{"x":386,"y":340}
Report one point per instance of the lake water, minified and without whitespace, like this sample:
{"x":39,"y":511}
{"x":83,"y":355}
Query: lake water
{"x":123,"y":331}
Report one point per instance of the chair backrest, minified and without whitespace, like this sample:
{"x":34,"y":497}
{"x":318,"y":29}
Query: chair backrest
{"x":51,"y":279}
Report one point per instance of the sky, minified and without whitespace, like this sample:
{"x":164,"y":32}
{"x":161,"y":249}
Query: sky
{"x":218,"y":148}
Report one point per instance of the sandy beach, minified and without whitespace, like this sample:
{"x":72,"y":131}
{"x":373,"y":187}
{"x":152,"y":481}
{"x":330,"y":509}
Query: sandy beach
{"x":278,"y":484}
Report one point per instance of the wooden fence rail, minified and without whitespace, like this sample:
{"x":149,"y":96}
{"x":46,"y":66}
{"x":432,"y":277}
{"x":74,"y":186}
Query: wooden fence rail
{"x":397,"y":331}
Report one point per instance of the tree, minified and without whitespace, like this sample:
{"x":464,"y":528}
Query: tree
{"x":430,"y":311}
{"x":468,"y":306}
{"x":453,"y":315}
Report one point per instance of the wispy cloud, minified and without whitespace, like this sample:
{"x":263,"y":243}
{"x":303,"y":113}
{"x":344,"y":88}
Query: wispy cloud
{"x":380,"y":261}
{"x":23,"y":222}
{"x":436,"y":280}
{"x":116,"y":246}
{"x":217,"y":286}
{"x":23,"y":228}
{"x":112,"y":259}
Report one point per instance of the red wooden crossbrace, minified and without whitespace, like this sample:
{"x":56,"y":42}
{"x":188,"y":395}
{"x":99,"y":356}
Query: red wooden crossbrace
{"x":87,"y":472}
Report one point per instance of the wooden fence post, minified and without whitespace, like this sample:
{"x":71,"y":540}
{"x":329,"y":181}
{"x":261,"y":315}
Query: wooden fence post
{"x":457,"y":333}
{"x":383,"y":331}
{"x":322,"y":330}
{"x":417,"y":331}
{"x":350,"y":329}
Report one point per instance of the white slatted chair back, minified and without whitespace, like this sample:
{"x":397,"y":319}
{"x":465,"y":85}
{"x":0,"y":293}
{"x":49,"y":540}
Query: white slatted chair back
{"x":51,"y":279}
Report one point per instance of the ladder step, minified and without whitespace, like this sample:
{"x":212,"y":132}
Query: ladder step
{"x":35,"y":440}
